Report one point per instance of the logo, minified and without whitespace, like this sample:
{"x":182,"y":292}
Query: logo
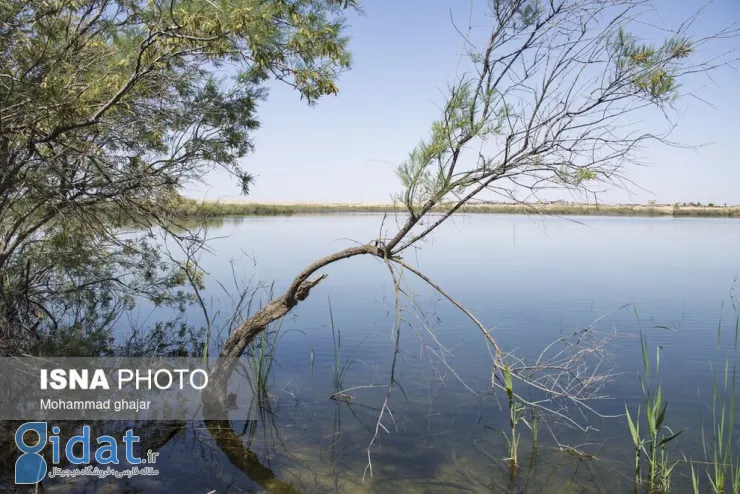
{"x":31,"y":467}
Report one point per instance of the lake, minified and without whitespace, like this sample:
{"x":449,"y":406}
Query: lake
{"x":531,"y":280}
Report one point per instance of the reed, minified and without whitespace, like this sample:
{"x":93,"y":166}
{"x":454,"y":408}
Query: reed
{"x":517,"y":411}
{"x":339,"y":368}
{"x":261,"y":358}
{"x":651,"y":448}
{"x":722,"y":464}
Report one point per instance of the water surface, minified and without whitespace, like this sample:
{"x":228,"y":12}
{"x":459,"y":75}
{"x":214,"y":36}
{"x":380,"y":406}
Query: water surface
{"x":531,"y":279}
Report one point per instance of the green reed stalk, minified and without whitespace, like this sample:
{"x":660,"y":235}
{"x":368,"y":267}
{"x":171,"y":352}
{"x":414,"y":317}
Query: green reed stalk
{"x":637,"y":440}
{"x":339,"y":369}
{"x":654,"y":444}
{"x":261,"y":361}
{"x":515,"y":415}
{"x":694,"y":481}
{"x":724,"y":471}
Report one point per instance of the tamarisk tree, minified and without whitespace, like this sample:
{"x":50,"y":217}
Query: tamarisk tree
{"x":107,"y":109}
{"x":549,"y":100}
{"x":548,"y":103}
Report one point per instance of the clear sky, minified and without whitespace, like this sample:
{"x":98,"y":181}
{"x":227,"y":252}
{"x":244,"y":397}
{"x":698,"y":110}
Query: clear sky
{"x":346,"y":148}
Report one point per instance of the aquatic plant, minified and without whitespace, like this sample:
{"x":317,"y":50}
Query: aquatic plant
{"x":339,"y":369}
{"x":654,"y":444}
{"x":722,"y":464}
{"x":516,"y":414}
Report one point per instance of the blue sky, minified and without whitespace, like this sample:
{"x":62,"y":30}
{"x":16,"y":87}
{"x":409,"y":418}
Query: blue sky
{"x":346,"y":148}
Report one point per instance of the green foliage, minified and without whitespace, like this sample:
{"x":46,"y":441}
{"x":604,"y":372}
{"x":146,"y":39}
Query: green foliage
{"x":516,"y":411}
{"x":529,"y":12}
{"x":189,"y":208}
{"x":573,"y":175}
{"x":108,"y":109}
{"x":654,"y":445}
{"x":74,"y":286}
{"x":134,"y":96}
{"x":722,"y":464}
{"x":427,"y":173}
{"x":517,"y":415}
{"x":339,"y":369}
{"x":530,"y":117}
{"x":651,"y":70}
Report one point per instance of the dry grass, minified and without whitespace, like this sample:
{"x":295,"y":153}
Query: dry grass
{"x":236,"y":207}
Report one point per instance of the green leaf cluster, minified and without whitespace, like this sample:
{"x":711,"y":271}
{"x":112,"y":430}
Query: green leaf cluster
{"x":652,"y":70}
{"x":427,"y":173}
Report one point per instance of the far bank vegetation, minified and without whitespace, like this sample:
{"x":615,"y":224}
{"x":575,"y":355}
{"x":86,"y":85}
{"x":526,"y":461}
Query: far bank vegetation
{"x":206,"y":208}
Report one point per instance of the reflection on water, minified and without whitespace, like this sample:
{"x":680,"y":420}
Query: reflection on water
{"x":532,"y":281}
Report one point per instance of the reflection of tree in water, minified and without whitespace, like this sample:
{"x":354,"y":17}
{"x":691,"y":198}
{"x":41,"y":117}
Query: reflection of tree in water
{"x":191,"y":451}
{"x":404,"y":465}
{"x":235,"y":448}
{"x":155,"y":436}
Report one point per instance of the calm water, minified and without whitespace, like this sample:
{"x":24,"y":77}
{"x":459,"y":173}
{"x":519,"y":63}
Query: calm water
{"x":532,"y":280}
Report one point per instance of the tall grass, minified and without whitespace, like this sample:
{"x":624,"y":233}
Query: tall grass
{"x":185,"y":207}
{"x":339,"y":369}
{"x":652,"y":448}
{"x":721,"y":461}
{"x":260,"y":358}
{"x":264,"y":358}
{"x":720,"y":453}
{"x":260,"y":361}
{"x":515,"y":416}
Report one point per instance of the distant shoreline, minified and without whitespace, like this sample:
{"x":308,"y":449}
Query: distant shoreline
{"x":226,"y":207}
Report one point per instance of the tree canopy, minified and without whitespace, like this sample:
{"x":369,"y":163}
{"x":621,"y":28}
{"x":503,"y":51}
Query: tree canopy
{"x":113,"y":106}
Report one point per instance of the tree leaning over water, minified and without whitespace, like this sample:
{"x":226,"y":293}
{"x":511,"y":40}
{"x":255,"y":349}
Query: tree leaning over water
{"x":554,"y":97}
{"x":547,"y":104}
{"x":107,"y":109}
